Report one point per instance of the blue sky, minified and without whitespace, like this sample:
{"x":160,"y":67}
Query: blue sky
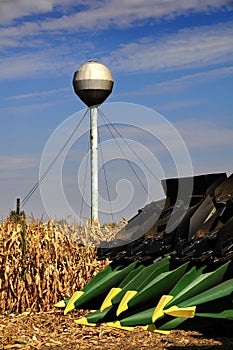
{"x":175,"y":57}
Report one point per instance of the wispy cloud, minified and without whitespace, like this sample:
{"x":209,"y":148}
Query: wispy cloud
{"x":13,"y":9}
{"x":18,"y":162}
{"x":183,"y":82}
{"x":190,"y":79}
{"x":21,"y":65}
{"x":189,"y":48}
{"x":28,"y":107}
{"x":101,"y":14}
{"x":178,"y":105}
{"x":36,"y":63}
{"x":125,"y":13}
{"x":87,"y":16}
{"x":38,"y":94}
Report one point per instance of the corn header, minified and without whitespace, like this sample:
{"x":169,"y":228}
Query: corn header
{"x":171,"y":265}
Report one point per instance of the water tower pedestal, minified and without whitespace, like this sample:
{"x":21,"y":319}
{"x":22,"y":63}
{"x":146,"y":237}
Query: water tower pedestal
{"x":94,"y":162}
{"x":93,"y":83}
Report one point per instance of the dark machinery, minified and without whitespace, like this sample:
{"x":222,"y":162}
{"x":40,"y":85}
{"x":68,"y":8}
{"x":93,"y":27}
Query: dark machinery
{"x":171,"y":264}
{"x":198,"y":229}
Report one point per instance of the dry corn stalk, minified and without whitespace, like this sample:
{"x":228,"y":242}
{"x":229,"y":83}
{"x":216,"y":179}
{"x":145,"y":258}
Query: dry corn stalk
{"x":42,"y":263}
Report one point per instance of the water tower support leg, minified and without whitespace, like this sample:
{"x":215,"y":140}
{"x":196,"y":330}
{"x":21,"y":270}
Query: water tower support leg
{"x":94,"y":163}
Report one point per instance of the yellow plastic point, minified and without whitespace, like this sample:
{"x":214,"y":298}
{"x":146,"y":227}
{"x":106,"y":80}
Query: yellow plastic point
{"x":124,"y":302}
{"x":158,"y":312}
{"x":108,"y":300}
{"x":185,"y":312}
{"x":162,"y":332}
{"x":70,"y":306}
{"x":117,"y":324}
{"x":85,"y":322}
{"x":151,"y":328}
{"x":61,"y":303}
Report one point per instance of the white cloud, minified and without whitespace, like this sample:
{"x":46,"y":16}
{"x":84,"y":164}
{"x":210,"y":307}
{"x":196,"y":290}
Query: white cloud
{"x":25,"y":108}
{"x":33,"y":64}
{"x":190,"y":79}
{"x":100,"y":14}
{"x":177,"y":105}
{"x":13,"y":9}
{"x":181,"y":83}
{"x":97,"y":15}
{"x":22,"y":65}
{"x":189,"y":48}
{"x":38,"y":94}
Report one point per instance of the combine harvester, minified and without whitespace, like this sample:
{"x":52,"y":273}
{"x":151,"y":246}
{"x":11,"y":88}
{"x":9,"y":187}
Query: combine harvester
{"x":171,"y":265}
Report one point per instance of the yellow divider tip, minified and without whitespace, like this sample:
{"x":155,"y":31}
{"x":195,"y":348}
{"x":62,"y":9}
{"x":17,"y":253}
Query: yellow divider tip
{"x":185,"y":312}
{"x":83,"y":321}
{"x":158,"y":312}
{"x":162,"y":331}
{"x":117,"y":324}
{"x":70,"y":306}
{"x":124,"y":302}
{"x":61,"y":303}
{"x":108,"y":300}
{"x":151,"y":328}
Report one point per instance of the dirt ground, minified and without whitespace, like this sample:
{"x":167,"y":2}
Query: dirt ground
{"x":52,"y":330}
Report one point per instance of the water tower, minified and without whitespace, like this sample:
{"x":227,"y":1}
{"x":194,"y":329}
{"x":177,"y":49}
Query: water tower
{"x":93,"y":83}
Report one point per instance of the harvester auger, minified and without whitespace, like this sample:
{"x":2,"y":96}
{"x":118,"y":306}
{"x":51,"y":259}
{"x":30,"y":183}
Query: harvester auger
{"x":172,"y":264}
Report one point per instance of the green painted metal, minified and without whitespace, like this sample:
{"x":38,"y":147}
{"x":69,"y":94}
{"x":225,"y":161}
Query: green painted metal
{"x":226,"y":314}
{"x":140,"y":274}
{"x":172,"y":324}
{"x":203,"y":281}
{"x":196,"y":285}
{"x":131,"y":276}
{"x":219,"y":291}
{"x":149,"y":295}
{"x":100,"y":317}
{"x":103,"y":285}
{"x":203,"y":292}
{"x":153,"y":271}
{"x":143,"y":278}
{"x":138,"y":319}
{"x":100,"y":275}
{"x":175,"y":322}
{"x":215,"y":295}
{"x":186,"y":279}
{"x":117,"y":290}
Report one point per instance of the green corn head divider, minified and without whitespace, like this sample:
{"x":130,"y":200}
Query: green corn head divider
{"x":95,"y":280}
{"x":92,"y":291}
{"x":160,"y":280}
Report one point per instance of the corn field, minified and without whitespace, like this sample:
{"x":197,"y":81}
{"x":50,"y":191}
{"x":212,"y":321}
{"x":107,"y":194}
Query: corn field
{"x":42,"y":263}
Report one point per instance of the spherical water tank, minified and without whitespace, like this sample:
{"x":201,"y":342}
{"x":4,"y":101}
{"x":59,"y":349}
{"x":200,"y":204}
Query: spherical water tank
{"x":93,"y":83}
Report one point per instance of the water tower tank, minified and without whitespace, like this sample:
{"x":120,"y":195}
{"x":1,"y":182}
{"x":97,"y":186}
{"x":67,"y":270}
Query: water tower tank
{"x":93,"y":83}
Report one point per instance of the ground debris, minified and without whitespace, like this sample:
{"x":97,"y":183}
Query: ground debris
{"x":52,"y":330}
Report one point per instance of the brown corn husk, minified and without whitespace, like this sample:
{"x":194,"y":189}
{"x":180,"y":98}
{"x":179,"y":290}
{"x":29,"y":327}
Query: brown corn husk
{"x":42,"y":263}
